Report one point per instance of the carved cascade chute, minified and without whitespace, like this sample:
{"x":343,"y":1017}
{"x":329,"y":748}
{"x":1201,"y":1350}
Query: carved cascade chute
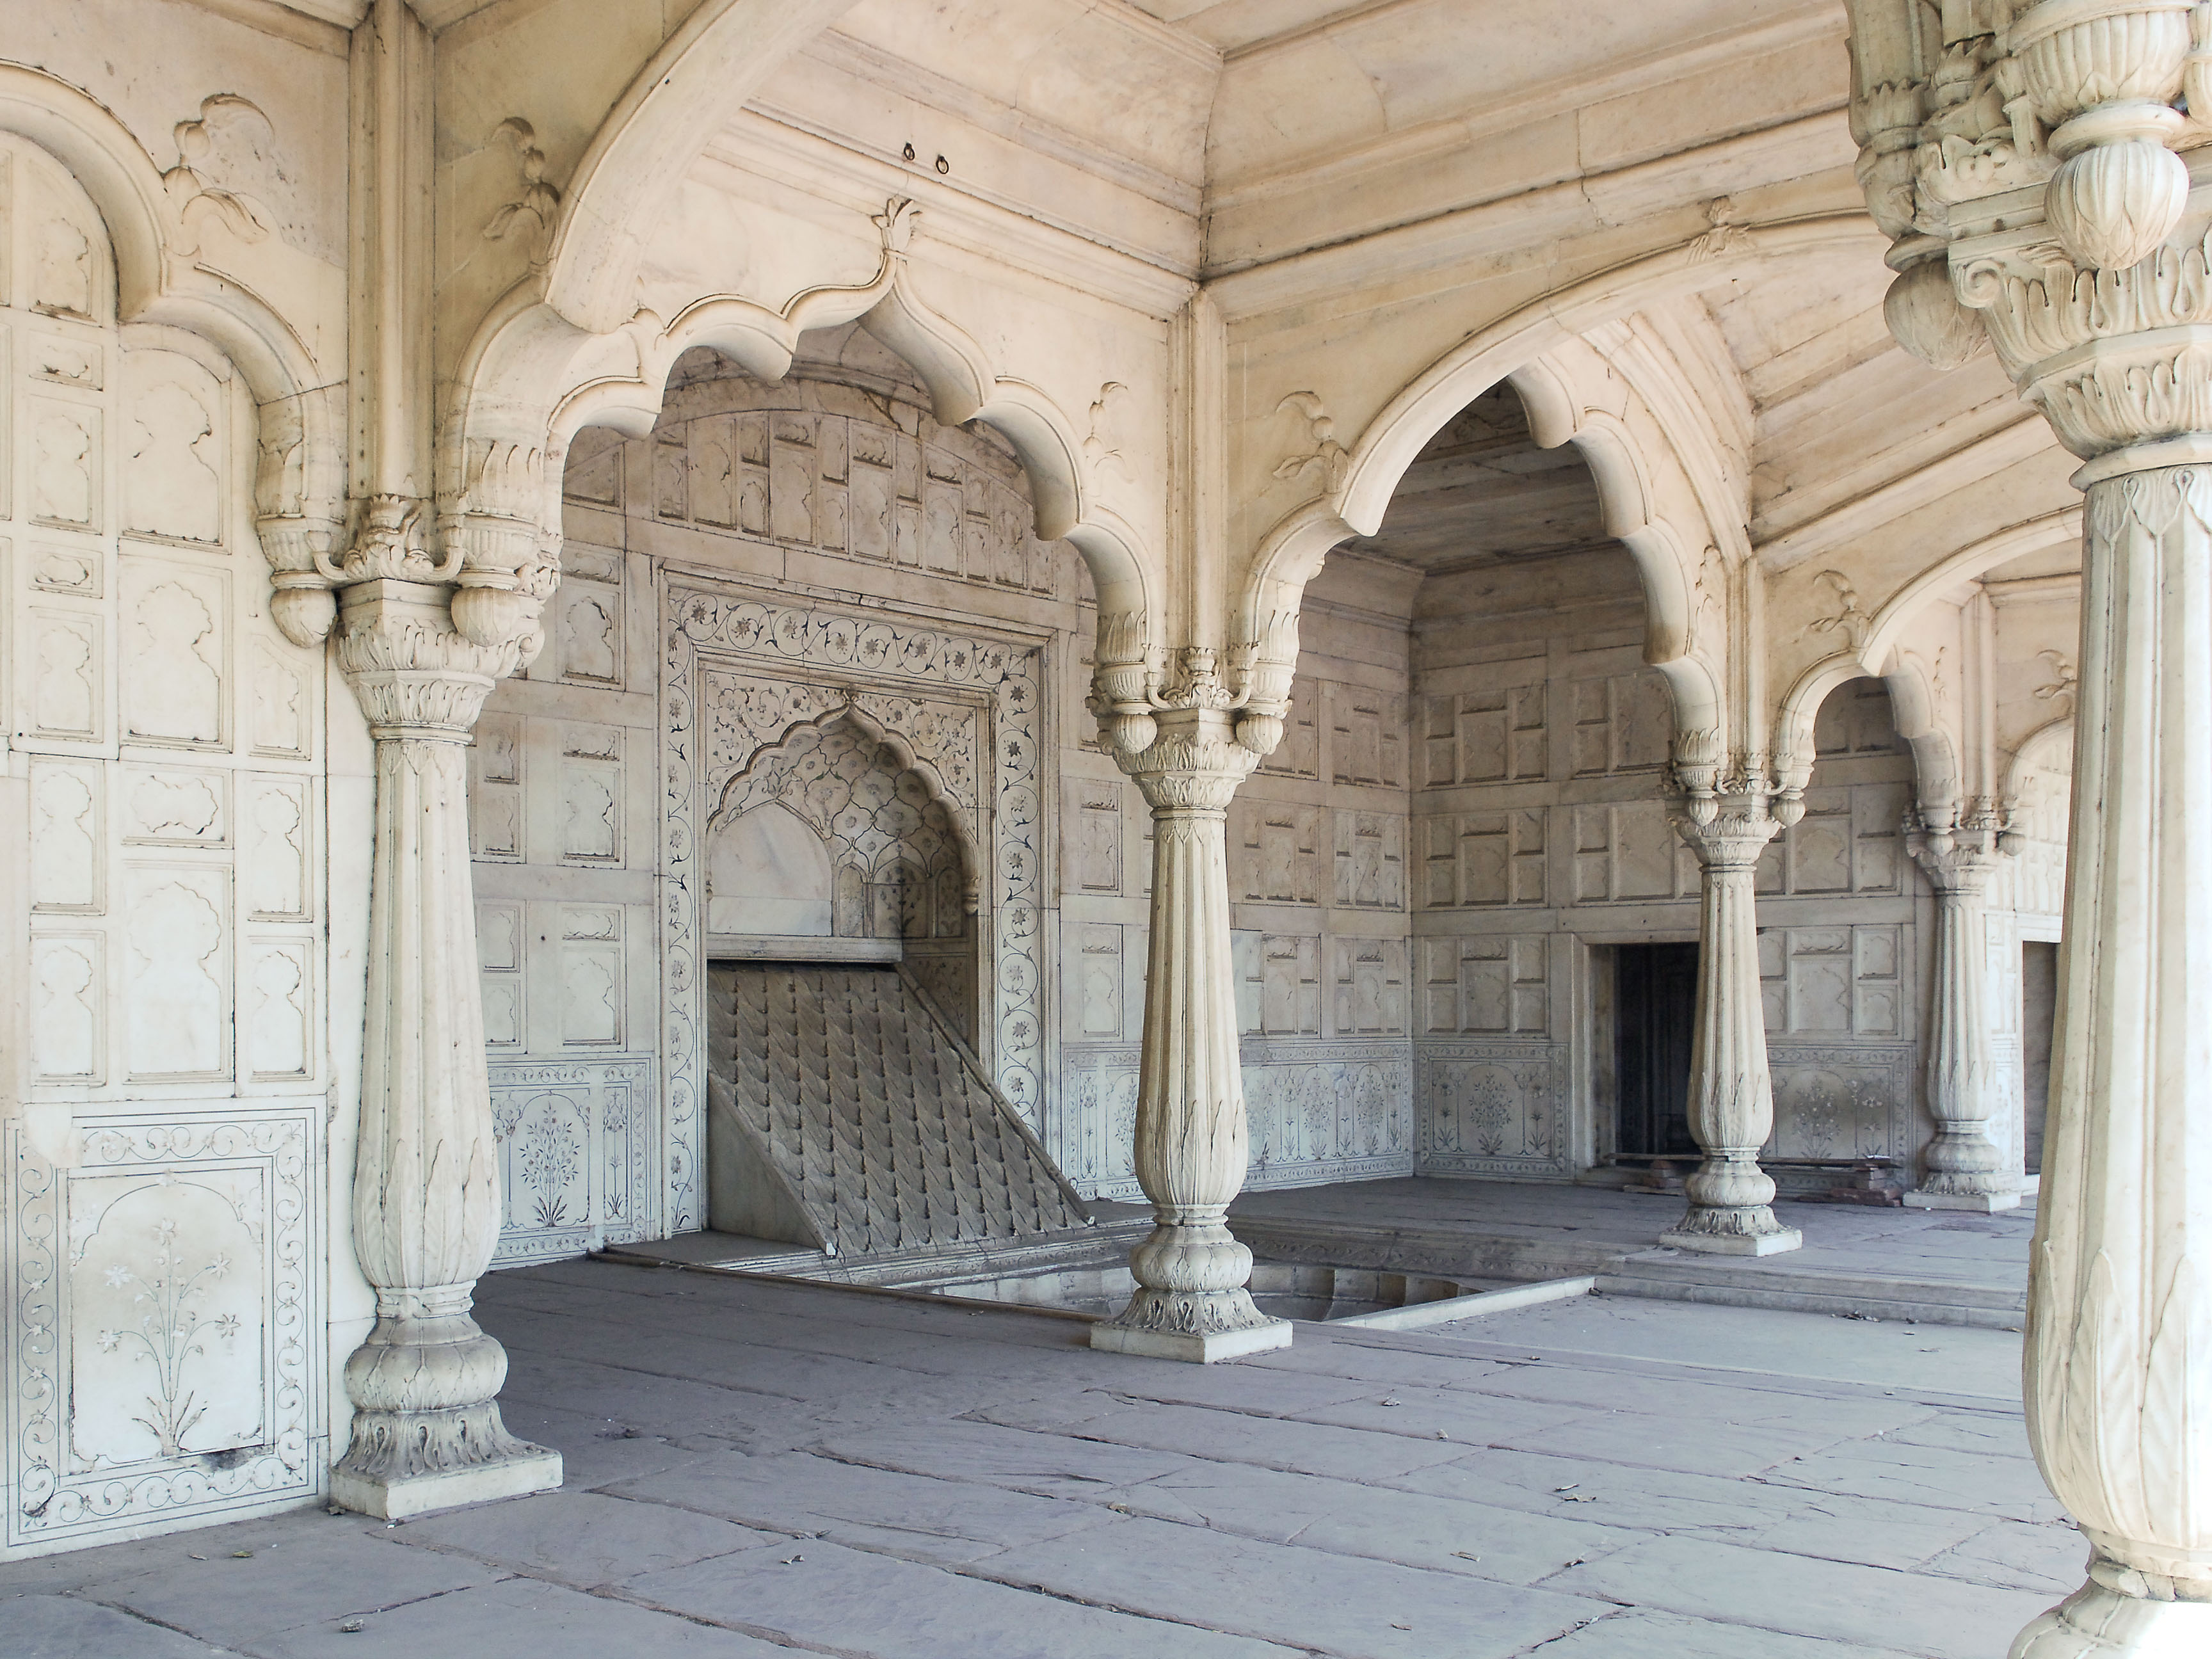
{"x":845,"y":1115}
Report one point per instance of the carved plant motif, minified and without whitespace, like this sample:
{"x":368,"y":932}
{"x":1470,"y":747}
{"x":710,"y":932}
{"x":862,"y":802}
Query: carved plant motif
{"x":531,"y":214}
{"x":1490,"y":1112}
{"x":549,"y":1155}
{"x":1728,"y":235}
{"x":171,"y":1333}
{"x":1328,"y":458}
{"x":1851,"y":621}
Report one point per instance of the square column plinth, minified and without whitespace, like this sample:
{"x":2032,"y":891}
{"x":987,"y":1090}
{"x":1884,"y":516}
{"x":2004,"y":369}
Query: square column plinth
{"x":1774,"y":1244}
{"x":1198,"y":1350}
{"x":538,"y":1470}
{"x":1979,"y":1203}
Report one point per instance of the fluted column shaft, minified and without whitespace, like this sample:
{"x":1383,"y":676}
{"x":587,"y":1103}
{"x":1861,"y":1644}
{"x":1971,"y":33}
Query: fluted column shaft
{"x":2119,"y":1367}
{"x":1191,"y":1301}
{"x":425,"y":1203}
{"x":1965,"y":1167}
{"x":1731,"y":1092}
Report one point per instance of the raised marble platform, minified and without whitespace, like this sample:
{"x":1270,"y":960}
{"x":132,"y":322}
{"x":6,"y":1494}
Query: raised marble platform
{"x":1934,"y":1266}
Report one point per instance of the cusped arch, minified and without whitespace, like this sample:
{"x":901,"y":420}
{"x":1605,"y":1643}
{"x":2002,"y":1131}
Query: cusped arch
{"x":1875,"y":652}
{"x":156,"y":287}
{"x":531,"y":380}
{"x":847,"y":715}
{"x":1528,"y":347}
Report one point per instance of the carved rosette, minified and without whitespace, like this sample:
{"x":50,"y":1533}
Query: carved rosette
{"x":1191,"y":1147}
{"x":1727,"y":821}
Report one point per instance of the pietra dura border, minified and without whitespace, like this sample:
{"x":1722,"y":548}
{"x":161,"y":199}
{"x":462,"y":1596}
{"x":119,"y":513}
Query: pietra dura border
{"x":870,"y":653}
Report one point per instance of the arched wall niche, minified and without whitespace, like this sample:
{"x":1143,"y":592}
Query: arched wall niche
{"x":838,"y":831}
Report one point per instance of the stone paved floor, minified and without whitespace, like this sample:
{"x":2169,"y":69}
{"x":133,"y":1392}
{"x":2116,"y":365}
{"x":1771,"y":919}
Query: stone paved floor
{"x":1840,"y":1239}
{"x":756,"y":1469}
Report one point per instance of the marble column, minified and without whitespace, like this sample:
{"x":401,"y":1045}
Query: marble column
{"x":2118,"y":1365}
{"x":2036,"y":202}
{"x":1191,"y":1301}
{"x":427,"y":1432}
{"x":1965,"y":1167}
{"x":1731,"y":1094}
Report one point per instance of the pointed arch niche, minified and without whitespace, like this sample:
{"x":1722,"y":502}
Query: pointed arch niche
{"x":857,"y":622}
{"x":839,"y":843}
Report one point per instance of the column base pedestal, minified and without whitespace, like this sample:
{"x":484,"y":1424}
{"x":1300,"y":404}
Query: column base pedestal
{"x":402,"y":1462}
{"x":532,"y":1468}
{"x":1201,"y":1348}
{"x":2099,"y":1623}
{"x":1979,"y":1203}
{"x":1773,"y":1243}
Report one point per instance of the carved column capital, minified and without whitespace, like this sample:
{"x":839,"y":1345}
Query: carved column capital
{"x":414,"y":674}
{"x":1960,"y":859}
{"x":1727,"y":832}
{"x":1192,"y":763}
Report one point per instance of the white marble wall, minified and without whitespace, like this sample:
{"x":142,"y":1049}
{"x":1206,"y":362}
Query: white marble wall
{"x":165,"y":1179}
{"x":1540,"y":837}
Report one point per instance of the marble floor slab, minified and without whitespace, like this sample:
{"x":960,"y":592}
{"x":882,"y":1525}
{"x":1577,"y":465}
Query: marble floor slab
{"x":760,"y":1466}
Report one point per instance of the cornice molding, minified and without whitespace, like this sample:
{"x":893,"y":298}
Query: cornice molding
{"x":1551,"y":215}
{"x":782,"y":148}
{"x":2018,"y":439}
{"x":1581,"y":91}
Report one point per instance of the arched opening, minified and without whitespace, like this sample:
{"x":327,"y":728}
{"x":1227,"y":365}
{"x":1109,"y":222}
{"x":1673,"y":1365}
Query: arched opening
{"x":797,"y":665}
{"x":1551,"y":911}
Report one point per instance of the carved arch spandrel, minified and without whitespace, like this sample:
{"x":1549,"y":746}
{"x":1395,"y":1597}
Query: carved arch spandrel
{"x":299,"y":484}
{"x":1863,"y":639}
{"x":531,"y":382}
{"x":1517,"y":347}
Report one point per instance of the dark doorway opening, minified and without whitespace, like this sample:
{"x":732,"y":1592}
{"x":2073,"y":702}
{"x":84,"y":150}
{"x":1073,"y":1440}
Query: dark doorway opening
{"x":1655,"y":1018}
{"x":2038,"y":1016}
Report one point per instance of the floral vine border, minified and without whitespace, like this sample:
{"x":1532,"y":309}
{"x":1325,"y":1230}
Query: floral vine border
{"x":53,"y":1506}
{"x":868,"y":651}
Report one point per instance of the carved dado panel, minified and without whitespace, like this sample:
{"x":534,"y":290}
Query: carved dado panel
{"x":576,"y":1161}
{"x":1489,"y":983}
{"x":164,"y":1326}
{"x":1491,"y":1108}
{"x":1845,"y":1100}
{"x":1314,"y":1111}
{"x":165,"y":1348}
{"x":907,"y":677}
{"x":1327,"y":1111}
